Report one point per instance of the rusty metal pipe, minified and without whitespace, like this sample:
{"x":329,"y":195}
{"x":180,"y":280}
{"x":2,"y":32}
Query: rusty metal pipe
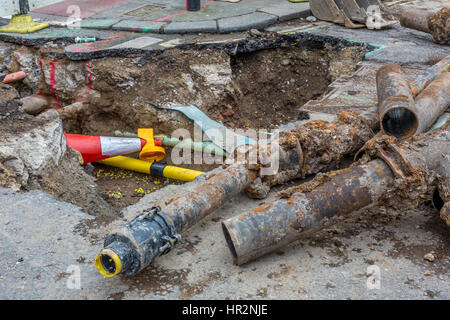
{"x":429,"y":75}
{"x":274,"y":225}
{"x":432,"y":102}
{"x":415,"y":18}
{"x":317,"y":146}
{"x":434,"y":157}
{"x":395,"y":102}
{"x":434,"y":23}
{"x":401,"y":118}
{"x":156,"y":231}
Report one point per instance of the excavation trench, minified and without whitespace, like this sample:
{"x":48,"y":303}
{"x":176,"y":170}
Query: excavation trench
{"x":261,"y":89}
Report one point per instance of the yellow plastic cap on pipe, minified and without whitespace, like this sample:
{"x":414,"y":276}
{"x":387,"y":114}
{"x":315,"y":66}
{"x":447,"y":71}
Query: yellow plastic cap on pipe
{"x":150,"y":152}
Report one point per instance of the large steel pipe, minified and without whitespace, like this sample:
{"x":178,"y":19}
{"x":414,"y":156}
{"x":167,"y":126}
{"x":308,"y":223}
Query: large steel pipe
{"x":435,"y":23}
{"x":400,"y":115}
{"x":272,"y":226}
{"x":414,"y":169}
{"x":395,"y":101}
{"x":429,"y":75}
{"x":432,"y":102}
{"x":317,"y":146}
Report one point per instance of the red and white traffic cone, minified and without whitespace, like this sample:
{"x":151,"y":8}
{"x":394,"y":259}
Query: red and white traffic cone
{"x":95,"y":148}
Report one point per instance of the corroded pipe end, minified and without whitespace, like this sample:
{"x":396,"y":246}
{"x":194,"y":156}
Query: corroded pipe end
{"x":399,"y":121}
{"x":415,"y":18}
{"x":395,"y":102}
{"x":230,"y":241}
{"x":434,"y":23}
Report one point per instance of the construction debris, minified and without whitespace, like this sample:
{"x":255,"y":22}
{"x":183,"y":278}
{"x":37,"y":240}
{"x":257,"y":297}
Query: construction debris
{"x":317,"y":146}
{"x":295,"y":161}
{"x":409,"y":170}
{"x":435,"y":23}
{"x":287,"y":101}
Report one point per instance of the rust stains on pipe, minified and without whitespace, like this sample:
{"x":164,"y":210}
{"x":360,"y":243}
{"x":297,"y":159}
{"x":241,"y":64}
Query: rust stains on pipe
{"x":434,"y":23}
{"x":317,"y":146}
{"x":432,"y":102}
{"x":395,"y":102}
{"x":407,"y":170}
{"x":415,"y":18}
{"x":272,"y":226}
{"x":429,"y":75}
{"x":439,"y":24}
{"x":401,"y":118}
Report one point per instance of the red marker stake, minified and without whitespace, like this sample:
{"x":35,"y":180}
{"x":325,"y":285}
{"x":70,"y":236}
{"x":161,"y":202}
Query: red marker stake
{"x":16,"y":76}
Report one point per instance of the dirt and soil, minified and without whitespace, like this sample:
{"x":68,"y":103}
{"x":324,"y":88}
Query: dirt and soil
{"x":122,"y":188}
{"x":12,"y":120}
{"x":261,"y":89}
{"x":270,"y":87}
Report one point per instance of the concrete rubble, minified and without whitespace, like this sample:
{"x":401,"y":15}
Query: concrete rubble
{"x":357,"y":122}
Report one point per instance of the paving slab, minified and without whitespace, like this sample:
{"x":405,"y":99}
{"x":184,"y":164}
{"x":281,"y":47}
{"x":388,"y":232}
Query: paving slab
{"x":288,"y":10}
{"x":51,"y":19}
{"x":122,"y":45}
{"x":232,"y":16}
{"x":397,"y":44}
{"x":133,"y":14}
{"x":256,"y":20}
{"x":86,"y":8}
{"x":137,"y":43}
{"x":139,"y":26}
{"x":215,"y":10}
{"x":121,"y":11}
{"x":102,"y":24}
{"x":189,"y":26}
{"x":61,"y":35}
